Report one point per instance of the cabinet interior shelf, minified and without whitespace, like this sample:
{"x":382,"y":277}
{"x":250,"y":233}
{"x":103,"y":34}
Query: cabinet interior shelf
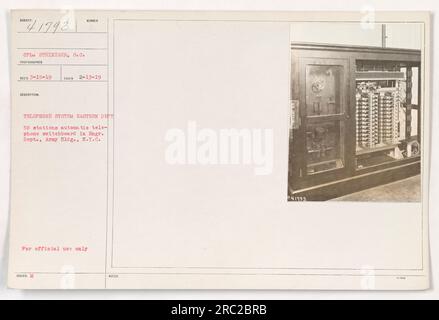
{"x":379,"y":75}
{"x":375,"y":149}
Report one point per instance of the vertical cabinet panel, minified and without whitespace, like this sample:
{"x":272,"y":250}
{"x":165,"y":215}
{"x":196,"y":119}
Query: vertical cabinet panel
{"x":324,"y":96}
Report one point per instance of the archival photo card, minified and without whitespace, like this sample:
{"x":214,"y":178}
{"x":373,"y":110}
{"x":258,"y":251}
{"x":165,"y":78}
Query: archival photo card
{"x":219,"y":150}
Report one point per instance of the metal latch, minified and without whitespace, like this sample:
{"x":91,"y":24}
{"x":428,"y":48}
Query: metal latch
{"x":295,"y":115}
